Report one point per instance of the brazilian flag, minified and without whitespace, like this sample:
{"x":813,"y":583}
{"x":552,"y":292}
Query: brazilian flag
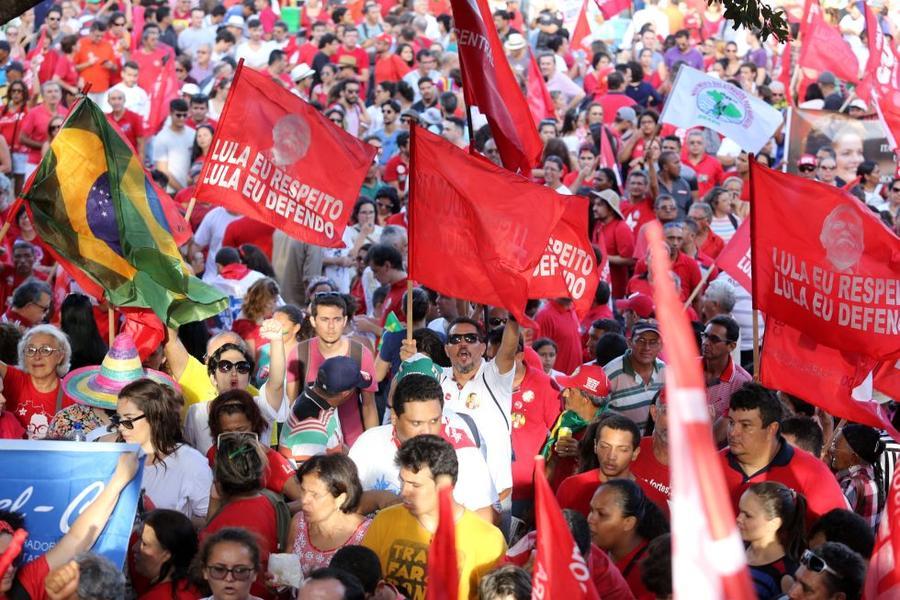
{"x":94,"y":205}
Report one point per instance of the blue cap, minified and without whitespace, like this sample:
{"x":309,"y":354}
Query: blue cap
{"x":341,"y":373}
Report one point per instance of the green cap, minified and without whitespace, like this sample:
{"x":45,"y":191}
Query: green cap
{"x":419,"y":364}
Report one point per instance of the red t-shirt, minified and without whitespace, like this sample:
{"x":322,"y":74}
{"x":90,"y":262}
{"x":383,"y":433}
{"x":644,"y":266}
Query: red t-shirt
{"x":630,"y":568}
{"x":31,"y":578}
{"x":163,"y":591}
{"x":712,"y":245}
{"x":35,"y":124}
{"x":397,"y":169}
{"x":606,"y":577}
{"x":10,"y":126}
{"x":576,"y":491}
{"x":652,"y":475}
{"x":685,"y":267}
{"x":249,"y":231}
{"x":277,"y":472}
{"x":611,"y":104}
{"x":129,"y":125}
{"x":10,"y":279}
{"x":560,"y":324}
{"x":618,"y":240}
{"x":394,"y":302}
{"x":257,"y":515}
{"x":709,"y":173}
{"x":390,"y":68}
{"x":249,"y":332}
{"x":10,"y":429}
{"x":637,"y":214}
{"x":149,"y":65}
{"x":535,"y":406}
{"x":362,"y":57}
{"x":795,"y":468}
{"x":32,"y":408}
{"x":65,"y":70}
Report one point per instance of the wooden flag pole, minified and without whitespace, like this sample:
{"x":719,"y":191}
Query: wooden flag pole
{"x":700,"y":285}
{"x":112,"y":324}
{"x":190,"y":209}
{"x":409,"y":310}
{"x":755,"y":344}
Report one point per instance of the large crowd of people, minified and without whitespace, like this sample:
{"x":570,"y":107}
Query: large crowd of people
{"x":262,"y":430}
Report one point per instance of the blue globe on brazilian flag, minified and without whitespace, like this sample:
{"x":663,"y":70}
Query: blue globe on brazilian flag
{"x":110,"y":227}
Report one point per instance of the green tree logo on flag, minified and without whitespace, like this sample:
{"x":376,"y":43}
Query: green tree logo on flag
{"x":720,"y":105}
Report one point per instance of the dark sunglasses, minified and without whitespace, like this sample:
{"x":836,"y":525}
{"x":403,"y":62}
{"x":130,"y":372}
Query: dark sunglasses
{"x":242,"y":366}
{"x":240,"y":573}
{"x":496,"y":322}
{"x":180,"y":115}
{"x":817,"y":564}
{"x":807,"y":169}
{"x":116,"y":421}
{"x":469,"y":338}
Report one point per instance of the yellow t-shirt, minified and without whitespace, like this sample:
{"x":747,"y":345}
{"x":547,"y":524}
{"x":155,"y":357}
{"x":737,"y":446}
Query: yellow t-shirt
{"x":401,"y":544}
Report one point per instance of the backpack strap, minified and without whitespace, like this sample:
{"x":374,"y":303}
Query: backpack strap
{"x":282,"y":518}
{"x":302,"y":361}
{"x":494,"y":398}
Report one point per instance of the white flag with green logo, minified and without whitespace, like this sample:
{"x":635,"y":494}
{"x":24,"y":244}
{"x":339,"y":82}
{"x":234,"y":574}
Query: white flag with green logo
{"x":700,"y":100}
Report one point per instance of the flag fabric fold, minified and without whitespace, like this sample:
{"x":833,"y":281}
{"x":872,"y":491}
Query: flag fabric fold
{"x":490,"y":85}
{"x":825,"y":49}
{"x":165,"y":88}
{"x":881,"y":83}
{"x":883,"y":573}
{"x":278,"y":160}
{"x":443,"y":569}
{"x":735,"y":257}
{"x":824,"y":264}
{"x":610,"y":8}
{"x":559,"y":569}
{"x":110,"y":227}
{"x":465,"y":246}
{"x":708,"y":559}
{"x":698,"y":99}
{"x":539,"y":101}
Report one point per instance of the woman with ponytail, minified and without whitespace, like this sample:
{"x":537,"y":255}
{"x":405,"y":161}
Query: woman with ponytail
{"x":771,"y":522}
{"x":855,"y":458}
{"x":623,"y":522}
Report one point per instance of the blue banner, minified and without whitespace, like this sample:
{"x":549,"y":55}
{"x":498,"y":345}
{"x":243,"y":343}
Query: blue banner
{"x":52,"y":482}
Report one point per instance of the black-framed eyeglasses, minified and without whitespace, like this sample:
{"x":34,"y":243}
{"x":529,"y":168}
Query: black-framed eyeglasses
{"x":119,"y":24}
{"x":496,"y":322}
{"x":318,"y":295}
{"x":239,"y":573}
{"x":713,"y":339}
{"x":116,"y":421}
{"x":44,"y":351}
{"x":817,"y":564}
{"x":457,"y":338}
{"x":242,"y":366}
{"x":180,"y":115}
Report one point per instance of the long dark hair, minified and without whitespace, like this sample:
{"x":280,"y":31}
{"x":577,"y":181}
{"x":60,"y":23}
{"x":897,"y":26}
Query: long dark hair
{"x":77,"y":322}
{"x":196,"y":152}
{"x":161,"y":406}
{"x":176,"y":534}
{"x":780,"y":501}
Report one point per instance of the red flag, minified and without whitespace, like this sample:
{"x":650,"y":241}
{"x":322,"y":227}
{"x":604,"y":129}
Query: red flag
{"x":539,"y":101}
{"x":490,"y":85}
{"x":559,"y":569}
{"x":465,"y":247}
{"x":793,"y":362}
{"x":278,"y":160}
{"x":611,"y":8}
{"x":824,"y":263}
{"x":883,"y":574}
{"x":881,"y":83}
{"x":147,"y":331}
{"x":608,"y":156}
{"x":443,"y":571}
{"x":786,"y":71}
{"x":138,"y":18}
{"x":582,"y":28}
{"x":825,"y":49}
{"x":165,"y":88}
{"x":734,"y":258}
{"x":886,"y":379}
{"x":708,"y":559}
{"x":568,"y":267}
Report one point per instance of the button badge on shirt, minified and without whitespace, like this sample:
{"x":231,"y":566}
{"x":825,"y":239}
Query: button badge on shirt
{"x":472,"y":401}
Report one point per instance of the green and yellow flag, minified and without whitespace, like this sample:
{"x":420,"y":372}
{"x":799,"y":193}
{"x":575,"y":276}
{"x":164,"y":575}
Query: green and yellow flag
{"x":110,"y":227}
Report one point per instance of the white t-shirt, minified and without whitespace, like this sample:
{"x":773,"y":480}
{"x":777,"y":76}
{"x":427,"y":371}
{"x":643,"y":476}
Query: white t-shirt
{"x":196,"y":426}
{"x":254,"y":58}
{"x":174,"y":147}
{"x":209,"y":235}
{"x":136,"y":100}
{"x":487,"y":398}
{"x":182,"y":483}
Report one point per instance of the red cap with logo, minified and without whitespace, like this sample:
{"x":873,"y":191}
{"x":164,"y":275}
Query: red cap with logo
{"x":641,"y":304}
{"x":587,"y":378}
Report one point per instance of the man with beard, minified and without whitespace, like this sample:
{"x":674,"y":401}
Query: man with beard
{"x":842,"y":238}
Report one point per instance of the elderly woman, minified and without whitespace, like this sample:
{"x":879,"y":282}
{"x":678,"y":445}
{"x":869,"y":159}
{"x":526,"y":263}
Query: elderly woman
{"x":328,"y":521}
{"x":33,"y":390}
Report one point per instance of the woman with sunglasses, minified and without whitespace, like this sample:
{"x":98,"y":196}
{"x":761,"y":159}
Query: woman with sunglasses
{"x":771,"y":522}
{"x":161,"y":556}
{"x":34,"y":390}
{"x":230,"y":562}
{"x":229,"y":368}
{"x":176,"y":476}
{"x":239,"y":499}
{"x":14,"y":110}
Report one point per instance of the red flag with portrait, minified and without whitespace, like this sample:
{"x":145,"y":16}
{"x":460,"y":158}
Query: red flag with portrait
{"x":277,"y":159}
{"x":824,"y":264}
{"x":490,"y":85}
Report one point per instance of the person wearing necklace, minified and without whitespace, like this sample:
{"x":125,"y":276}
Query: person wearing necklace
{"x":427,"y":463}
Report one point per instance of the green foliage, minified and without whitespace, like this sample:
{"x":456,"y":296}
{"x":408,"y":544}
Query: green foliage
{"x":757,"y":15}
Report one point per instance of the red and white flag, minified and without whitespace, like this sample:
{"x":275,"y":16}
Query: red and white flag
{"x":490,"y":85}
{"x":824,"y":264}
{"x":165,"y":88}
{"x":559,"y":570}
{"x":469,"y":248}
{"x":708,"y":559}
{"x":278,"y":160}
{"x":443,"y":570}
{"x":883,"y":574}
{"x":611,"y":8}
{"x":735,"y":259}
{"x":582,"y":28}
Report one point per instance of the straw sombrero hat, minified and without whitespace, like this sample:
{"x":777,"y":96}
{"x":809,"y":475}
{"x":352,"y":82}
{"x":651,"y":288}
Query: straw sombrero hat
{"x":100,"y":386}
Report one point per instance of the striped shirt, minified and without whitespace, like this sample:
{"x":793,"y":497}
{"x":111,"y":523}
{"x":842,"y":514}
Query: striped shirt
{"x":310,"y":429}
{"x":629,"y":394}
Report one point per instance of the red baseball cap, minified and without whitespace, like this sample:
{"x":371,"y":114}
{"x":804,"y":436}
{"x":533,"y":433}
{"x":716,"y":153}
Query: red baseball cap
{"x":641,"y":304}
{"x":807,"y":160}
{"x":587,"y":378}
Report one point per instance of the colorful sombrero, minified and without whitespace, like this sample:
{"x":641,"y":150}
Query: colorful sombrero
{"x":100,"y":386}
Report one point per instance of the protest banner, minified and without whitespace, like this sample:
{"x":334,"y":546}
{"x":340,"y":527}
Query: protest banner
{"x":278,"y":160}
{"x":735,"y":257}
{"x":52,"y":482}
{"x":853,"y":141}
{"x":824,"y":264}
{"x":698,"y":99}
{"x":881,"y":83}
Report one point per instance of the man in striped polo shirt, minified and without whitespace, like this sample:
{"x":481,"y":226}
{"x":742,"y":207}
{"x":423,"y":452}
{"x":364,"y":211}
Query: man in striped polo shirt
{"x":636,"y":377}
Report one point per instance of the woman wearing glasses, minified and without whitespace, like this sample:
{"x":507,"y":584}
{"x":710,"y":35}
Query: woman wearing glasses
{"x":771,"y":522}
{"x":230,"y":563}
{"x":33,"y":390}
{"x":160,"y":558}
{"x":176,"y":476}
